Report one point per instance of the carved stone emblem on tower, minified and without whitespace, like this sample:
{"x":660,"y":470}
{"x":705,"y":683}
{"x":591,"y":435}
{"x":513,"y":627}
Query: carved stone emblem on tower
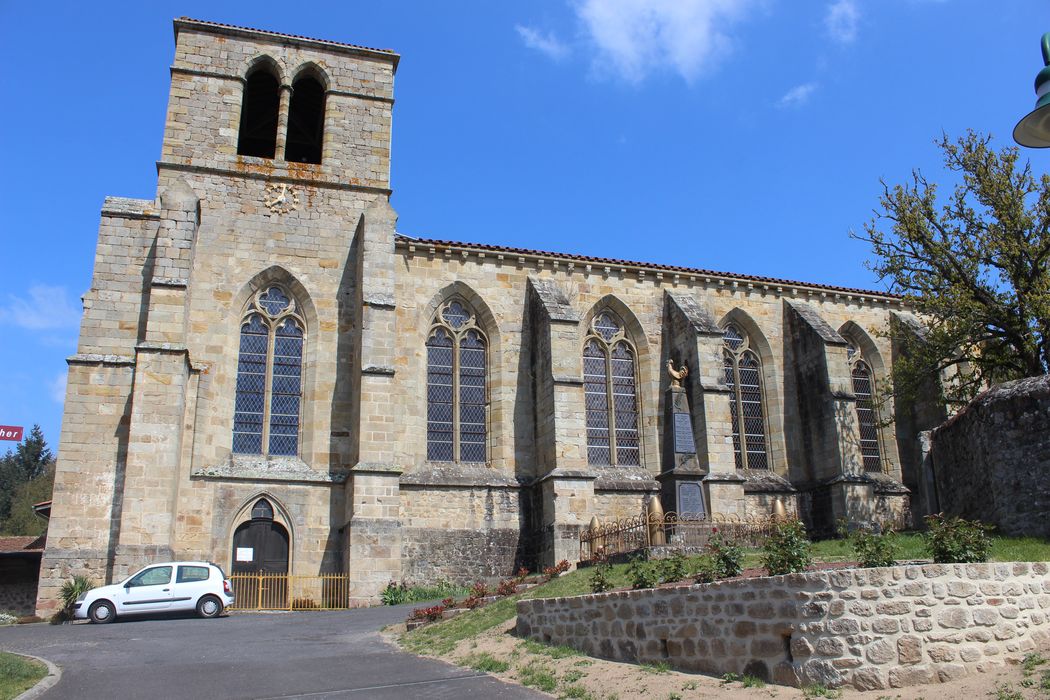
{"x":281,"y":198}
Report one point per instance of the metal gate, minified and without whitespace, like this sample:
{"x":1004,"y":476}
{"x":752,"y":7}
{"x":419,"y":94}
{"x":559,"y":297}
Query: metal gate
{"x":264,"y":591}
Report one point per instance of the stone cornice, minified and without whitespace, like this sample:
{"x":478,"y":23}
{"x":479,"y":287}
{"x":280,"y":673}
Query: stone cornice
{"x":644,"y":272}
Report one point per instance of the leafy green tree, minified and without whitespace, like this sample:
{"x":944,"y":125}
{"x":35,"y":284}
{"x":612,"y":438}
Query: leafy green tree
{"x":22,"y":520}
{"x":29,"y":460}
{"x":975,"y":266}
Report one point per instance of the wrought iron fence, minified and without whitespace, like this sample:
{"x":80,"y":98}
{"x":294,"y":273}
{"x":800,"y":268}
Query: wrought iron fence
{"x":641,"y":531}
{"x":291,"y":592}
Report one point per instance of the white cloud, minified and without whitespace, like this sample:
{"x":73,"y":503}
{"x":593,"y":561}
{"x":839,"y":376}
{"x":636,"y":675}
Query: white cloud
{"x":797,"y":96}
{"x":57,"y":388}
{"x":841,"y":21}
{"x":547,"y":44}
{"x":635,"y":37}
{"x":47,"y":307}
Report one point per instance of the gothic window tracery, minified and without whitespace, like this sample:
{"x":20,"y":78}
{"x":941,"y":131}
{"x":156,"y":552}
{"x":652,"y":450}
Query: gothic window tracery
{"x":867,"y":418}
{"x":609,"y":384}
{"x":743,"y":376}
{"x":268,"y":400}
{"x":457,"y":396}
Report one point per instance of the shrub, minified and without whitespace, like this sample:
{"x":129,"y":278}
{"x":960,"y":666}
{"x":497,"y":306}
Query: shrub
{"x":507,"y":587}
{"x":727,"y":557}
{"x":600,"y":580}
{"x":479,"y":590}
{"x":449,"y":602}
{"x":7,"y":618}
{"x":872,"y":548}
{"x":786,"y":550}
{"x":523,"y":573}
{"x":71,"y":590}
{"x":552,"y":572}
{"x":471,"y":602}
{"x":956,"y":541}
{"x":707,"y":572}
{"x":642,"y":574}
{"x":673,"y":568}
{"x":432,"y":613}
{"x":395,"y":593}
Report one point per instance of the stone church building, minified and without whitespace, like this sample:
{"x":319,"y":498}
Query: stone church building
{"x":271,"y":377}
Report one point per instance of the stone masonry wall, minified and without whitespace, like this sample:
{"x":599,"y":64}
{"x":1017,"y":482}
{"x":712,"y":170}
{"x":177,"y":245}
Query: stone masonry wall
{"x":865,"y":628}
{"x":992,"y":460}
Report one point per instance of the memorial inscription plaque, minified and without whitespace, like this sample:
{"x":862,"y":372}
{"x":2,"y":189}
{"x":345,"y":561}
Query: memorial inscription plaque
{"x":683,"y":434}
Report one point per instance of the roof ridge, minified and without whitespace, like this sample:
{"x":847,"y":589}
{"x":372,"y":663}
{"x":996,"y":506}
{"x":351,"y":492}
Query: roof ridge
{"x":282,"y":34}
{"x":655,"y":266}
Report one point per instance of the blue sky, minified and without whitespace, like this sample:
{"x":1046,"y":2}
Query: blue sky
{"x":737,"y":135}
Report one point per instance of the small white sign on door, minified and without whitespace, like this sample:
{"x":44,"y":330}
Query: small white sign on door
{"x":245,"y":554}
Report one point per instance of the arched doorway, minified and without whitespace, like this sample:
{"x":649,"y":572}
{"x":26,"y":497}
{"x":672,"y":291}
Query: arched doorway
{"x":260,"y":560}
{"x":260,"y":545}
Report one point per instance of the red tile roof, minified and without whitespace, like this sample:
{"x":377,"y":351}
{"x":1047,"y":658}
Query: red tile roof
{"x":645,"y":265}
{"x":20,"y":544}
{"x":190,"y":20}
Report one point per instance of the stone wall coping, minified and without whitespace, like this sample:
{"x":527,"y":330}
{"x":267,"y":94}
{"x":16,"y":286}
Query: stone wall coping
{"x":569,"y":474}
{"x":383,"y":370}
{"x":827,"y":578}
{"x":458,"y":476}
{"x":625,"y":479}
{"x":289,"y":470}
{"x":816,"y":322}
{"x":128,"y":208}
{"x":697,"y":316}
{"x":376,"y":468}
{"x":174,"y":282}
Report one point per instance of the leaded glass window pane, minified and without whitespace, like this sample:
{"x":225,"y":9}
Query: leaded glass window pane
{"x":863,"y":388}
{"x":286,"y":388}
{"x":606,"y":326}
{"x":743,"y":377}
{"x":734,"y":408}
{"x":455,"y":315}
{"x":274,"y":301}
{"x":440,"y":350}
{"x":472,"y":398}
{"x":733,"y":337}
{"x":251,"y":387}
{"x":625,"y":406}
{"x":596,"y":399}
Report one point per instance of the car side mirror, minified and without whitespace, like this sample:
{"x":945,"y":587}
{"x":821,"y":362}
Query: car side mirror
{"x":127,"y":586}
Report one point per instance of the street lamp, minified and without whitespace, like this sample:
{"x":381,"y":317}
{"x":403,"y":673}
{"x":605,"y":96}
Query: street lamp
{"x":1034,"y":130}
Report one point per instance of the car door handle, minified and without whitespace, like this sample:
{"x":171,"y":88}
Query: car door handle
{"x":165,"y":589}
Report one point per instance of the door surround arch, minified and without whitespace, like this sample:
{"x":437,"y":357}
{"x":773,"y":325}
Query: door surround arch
{"x":244,"y":515}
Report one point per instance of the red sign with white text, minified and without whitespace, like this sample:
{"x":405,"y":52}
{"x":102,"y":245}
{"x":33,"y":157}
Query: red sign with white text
{"x":11,"y":432}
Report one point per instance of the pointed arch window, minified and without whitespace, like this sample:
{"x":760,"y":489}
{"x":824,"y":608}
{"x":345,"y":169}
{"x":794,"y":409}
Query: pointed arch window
{"x":262,"y":510}
{"x":609,"y":385}
{"x":743,"y":376}
{"x":268,"y":402}
{"x":867,"y":418}
{"x":457,"y":393}
{"x":257,"y":135}
{"x":305,"y":121}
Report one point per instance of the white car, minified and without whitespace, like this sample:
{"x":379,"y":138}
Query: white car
{"x":164,"y":587}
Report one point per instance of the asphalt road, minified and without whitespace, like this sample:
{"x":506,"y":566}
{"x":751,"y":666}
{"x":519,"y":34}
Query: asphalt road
{"x":263,"y":656}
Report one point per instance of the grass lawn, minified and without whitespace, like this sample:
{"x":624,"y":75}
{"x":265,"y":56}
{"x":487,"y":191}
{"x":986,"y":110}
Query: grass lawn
{"x":18,"y":674}
{"x":441,"y":637}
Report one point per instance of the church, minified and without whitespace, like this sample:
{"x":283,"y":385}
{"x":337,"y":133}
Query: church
{"x":271,"y":377}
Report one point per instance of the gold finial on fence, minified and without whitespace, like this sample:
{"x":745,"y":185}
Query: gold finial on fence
{"x":655,"y":514}
{"x":779,"y":511}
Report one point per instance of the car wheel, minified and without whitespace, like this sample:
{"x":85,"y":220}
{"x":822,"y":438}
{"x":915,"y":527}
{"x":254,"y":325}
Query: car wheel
{"x":101,"y":612}
{"x":209,"y":606}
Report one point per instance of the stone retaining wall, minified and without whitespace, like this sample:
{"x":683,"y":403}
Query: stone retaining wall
{"x":865,"y":628}
{"x":992,"y":459}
